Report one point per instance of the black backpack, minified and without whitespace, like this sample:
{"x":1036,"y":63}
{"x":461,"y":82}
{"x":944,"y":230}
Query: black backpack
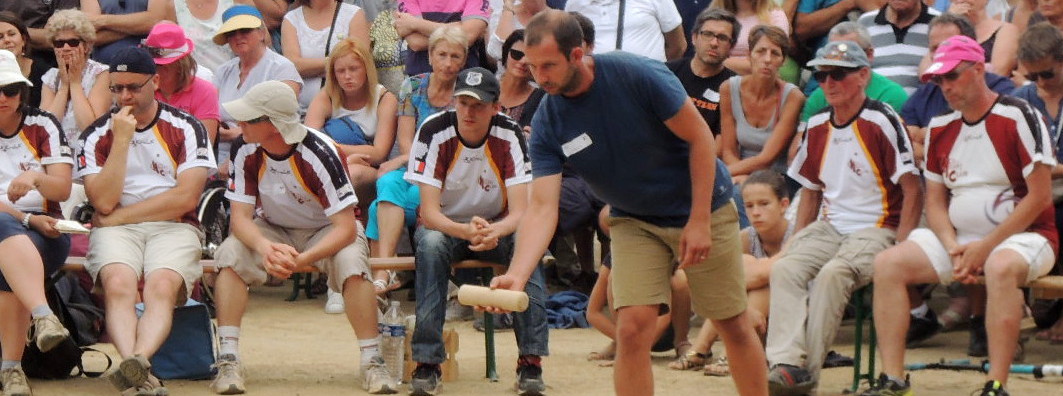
{"x":75,"y":309}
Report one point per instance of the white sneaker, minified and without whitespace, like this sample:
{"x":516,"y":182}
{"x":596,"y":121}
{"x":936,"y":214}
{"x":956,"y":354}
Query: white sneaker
{"x":377,"y":380}
{"x":335,"y":303}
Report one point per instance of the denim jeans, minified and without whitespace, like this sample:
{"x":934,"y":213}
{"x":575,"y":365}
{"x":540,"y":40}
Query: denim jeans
{"x":435,"y":253}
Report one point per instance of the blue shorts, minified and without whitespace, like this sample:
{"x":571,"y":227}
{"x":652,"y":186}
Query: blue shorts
{"x":392,"y":188}
{"x":53,"y":251}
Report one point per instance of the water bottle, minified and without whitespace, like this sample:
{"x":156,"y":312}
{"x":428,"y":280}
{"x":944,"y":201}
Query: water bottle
{"x":393,"y":332}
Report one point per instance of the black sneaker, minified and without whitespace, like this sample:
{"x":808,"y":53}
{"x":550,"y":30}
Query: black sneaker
{"x":993,"y":388}
{"x":921,"y":329}
{"x":835,"y":359}
{"x":530,"y":376}
{"x":787,"y":380}
{"x":426,"y":380}
{"x":884,"y":386}
{"x":979,"y":344}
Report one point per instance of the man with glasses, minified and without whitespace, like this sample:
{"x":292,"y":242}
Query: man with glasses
{"x":989,"y":210}
{"x":856,"y":162}
{"x":292,"y":207}
{"x":714,"y":34}
{"x":144,"y":165}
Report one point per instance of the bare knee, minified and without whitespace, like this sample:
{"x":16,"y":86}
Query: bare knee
{"x":1004,"y":271}
{"x":889,"y":267}
{"x":636,"y":324}
{"x":118,"y":281}
{"x":162,"y":285}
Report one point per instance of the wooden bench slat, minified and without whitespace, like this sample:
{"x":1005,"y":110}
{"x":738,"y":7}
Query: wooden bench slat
{"x":377,"y":263}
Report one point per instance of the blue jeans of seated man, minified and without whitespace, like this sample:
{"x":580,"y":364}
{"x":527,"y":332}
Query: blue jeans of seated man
{"x":435,"y":253}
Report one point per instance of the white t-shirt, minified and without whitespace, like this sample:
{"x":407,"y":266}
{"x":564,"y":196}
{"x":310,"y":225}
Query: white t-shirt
{"x":364,"y":117}
{"x":174,"y":143}
{"x":857,"y":166}
{"x":985,"y":165}
{"x":272,"y":66}
{"x":299,"y":191}
{"x":88,"y":80}
{"x":473,"y":180}
{"x":201,"y":31}
{"x":39,"y":142}
{"x":312,"y":44}
{"x":645,"y":23}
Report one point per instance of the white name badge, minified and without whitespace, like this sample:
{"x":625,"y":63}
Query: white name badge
{"x":576,"y":145}
{"x":711,"y":95}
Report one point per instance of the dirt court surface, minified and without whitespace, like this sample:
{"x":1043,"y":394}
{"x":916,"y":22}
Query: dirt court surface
{"x":293,"y":348}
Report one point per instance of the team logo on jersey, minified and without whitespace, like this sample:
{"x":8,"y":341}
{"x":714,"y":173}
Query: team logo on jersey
{"x":1002,"y":206}
{"x":474,"y":78}
{"x":65,"y":151}
{"x":202,"y":153}
{"x":344,"y":192}
{"x":82,"y":162}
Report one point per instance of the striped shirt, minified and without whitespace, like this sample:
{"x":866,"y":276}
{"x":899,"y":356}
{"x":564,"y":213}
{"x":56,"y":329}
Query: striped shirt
{"x":300,"y":190}
{"x":473,"y":176}
{"x":173,"y":143}
{"x":858,"y":167}
{"x":899,"y":51}
{"x":39,"y":142}
{"x":985,"y":164}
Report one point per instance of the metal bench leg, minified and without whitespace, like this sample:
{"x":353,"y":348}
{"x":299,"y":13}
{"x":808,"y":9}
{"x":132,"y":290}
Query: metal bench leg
{"x":858,"y":298}
{"x":489,"y":334}
{"x":295,"y":288}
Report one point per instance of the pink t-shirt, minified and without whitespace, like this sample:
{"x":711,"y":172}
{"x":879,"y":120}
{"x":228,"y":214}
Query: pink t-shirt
{"x":200,"y":100}
{"x":778,"y":19}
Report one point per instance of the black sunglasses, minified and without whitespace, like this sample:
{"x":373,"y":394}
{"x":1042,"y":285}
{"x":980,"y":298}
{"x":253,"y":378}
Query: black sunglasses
{"x":133,"y":88}
{"x":239,"y":31}
{"x":12,"y":90}
{"x":1045,"y":74}
{"x":73,"y":43}
{"x":835,"y":74}
{"x":952,"y":75}
{"x":516,"y":54}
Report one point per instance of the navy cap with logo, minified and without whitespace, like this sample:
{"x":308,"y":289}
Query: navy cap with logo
{"x":133,"y":60}
{"x":478,"y":83}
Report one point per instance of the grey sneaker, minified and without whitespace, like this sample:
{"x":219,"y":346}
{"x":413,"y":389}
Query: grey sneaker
{"x":150,"y":387}
{"x":530,"y":376}
{"x":887,"y":387}
{"x":230,"y":377}
{"x":788,"y":380}
{"x":14,"y":382}
{"x":426,"y":380}
{"x":48,"y":332}
{"x":131,"y":373}
{"x":377,"y":380}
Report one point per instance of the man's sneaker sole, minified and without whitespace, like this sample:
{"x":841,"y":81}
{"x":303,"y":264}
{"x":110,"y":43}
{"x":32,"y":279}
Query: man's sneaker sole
{"x":231,"y":390}
{"x":533,"y":389}
{"x":384,"y":390}
{"x":415,"y":391}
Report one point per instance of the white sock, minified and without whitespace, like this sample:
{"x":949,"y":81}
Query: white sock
{"x":10,"y":364}
{"x":229,"y":341}
{"x":41,"y":311}
{"x":921,"y":311}
{"x":370,"y":349}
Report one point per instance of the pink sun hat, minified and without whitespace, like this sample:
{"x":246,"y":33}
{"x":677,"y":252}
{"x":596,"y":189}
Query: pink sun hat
{"x":167,"y":43}
{"x":951,"y":52}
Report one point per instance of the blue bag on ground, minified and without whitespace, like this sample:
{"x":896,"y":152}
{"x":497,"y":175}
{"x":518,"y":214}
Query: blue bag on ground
{"x":189,"y":351}
{"x":567,"y":309}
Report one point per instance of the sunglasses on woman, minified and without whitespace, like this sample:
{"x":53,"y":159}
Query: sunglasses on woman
{"x":12,"y":90}
{"x":73,"y":43}
{"x":516,"y":54}
{"x":1045,"y":74}
{"x":837,"y":74}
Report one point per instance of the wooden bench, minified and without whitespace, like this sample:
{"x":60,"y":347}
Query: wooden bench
{"x":1045,"y":287}
{"x":75,"y":264}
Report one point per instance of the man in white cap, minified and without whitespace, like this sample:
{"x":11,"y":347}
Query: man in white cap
{"x":855,"y":159}
{"x":292,"y":208}
{"x":480,"y":156}
{"x":989,"y":211}
{"x":144,"y":166}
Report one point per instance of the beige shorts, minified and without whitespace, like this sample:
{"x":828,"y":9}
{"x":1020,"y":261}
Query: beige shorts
{"x":644,"y":256}
{"x":1033,"y":247}
{"x":146,"y":247}
{"x":352,"y":260}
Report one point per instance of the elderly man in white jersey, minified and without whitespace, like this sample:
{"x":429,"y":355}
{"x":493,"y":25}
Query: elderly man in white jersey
{"x":144,"y":166}
{"x":473,"y":169}
{"x":989,"y":210}
{"x":856,"y":162}
{"x":292,"y":208}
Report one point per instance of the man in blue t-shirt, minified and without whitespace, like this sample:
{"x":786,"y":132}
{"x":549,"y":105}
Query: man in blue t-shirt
{"x":625,"y":124}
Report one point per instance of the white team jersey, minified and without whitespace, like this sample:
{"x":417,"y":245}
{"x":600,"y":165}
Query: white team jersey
{"x":298,"y":191}
{"x":473,"y":180}
{"x":40,"y":141}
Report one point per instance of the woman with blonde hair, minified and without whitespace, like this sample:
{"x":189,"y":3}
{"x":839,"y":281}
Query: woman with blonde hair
{"x":750,"y":13}
{"x":75,"y":91}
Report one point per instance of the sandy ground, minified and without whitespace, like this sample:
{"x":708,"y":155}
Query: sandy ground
{"x":293,"y":348}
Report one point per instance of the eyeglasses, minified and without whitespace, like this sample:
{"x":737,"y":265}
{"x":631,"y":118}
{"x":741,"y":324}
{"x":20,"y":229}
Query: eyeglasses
{"x":516,"y":54}
{"x":723,"y":38}
{"x":952,"y":75}
{"x":1045,"y":74}
{"x":837,"y":74}
{"x":132,"y":88}
{"x":73,"y":43}
{"x":12,"y":90}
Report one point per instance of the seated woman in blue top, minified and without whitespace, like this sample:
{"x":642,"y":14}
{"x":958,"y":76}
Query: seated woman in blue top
{"x":421,"y":96}
{"x":1041,"y":55}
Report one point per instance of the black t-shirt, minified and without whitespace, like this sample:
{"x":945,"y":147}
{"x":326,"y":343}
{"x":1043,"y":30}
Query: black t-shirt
{"x":704,"y":92}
